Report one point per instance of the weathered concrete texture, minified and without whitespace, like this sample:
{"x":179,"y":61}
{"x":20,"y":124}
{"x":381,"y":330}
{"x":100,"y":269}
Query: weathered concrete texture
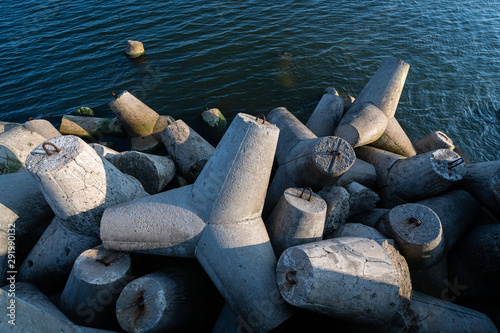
{"x":337,"y":207}
{"x":395,"y":140}
{"x":142,"y":224}
{"x":22,"y":209}
{"x":31,"y":311}
{"x":134,"y":49}
{"x":425,"y":175}
{"x":482,"y":180}
{"x":385,"y":87}
{"x":228,"y":197}
{"x":381,"y":160}
{"x":361,"y":172}
{"x":361,"y":198}
{"x":418,"y":233}
{"x":298,"y":218}
{"x":42,"y":127}
{"x":476,"y":261}
{"x":5,"y":126}
{"x":434,"y":281}
{"x":348,"y":100}
{"x":366,"y":119}
{"x":362,"y":124}
{"x":168,"y":300}
{"x":327,"y":114}
{"x":78,"y":184}
{"x":93,"y":286}
{"x":433,"y":141}
{"x":153,"y":171}
{"x":49,"y":262}
{"x":141,"y":122}
{"x":436,"y":315}
{"x":103,"y":151}
{"x":457,"y":210}
{"x":358,"y":230}
{"x":369,"y":218}
{"x":91,"y":128}
{"x":15,"y":146}
{"x":188,"y":149}
{"x":351,"y":278}
{"x":303,"y":159}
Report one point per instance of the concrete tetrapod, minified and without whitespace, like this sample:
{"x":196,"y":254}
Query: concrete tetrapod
{"x":304,"y":160}
{"x":219,"y":216}
{"x":381,"y":160}
{"x":91,"y":128}
{"x":361,"y":172}
{"x":42,"y":127}
{"x":5,"y":126}
{"x":15,"y":146}
{"x":327,"y":114}
{"x":457,"y":211}
{"x":417,"y":231}
{"x":22,"y":209}
{"x":93,"y":286}
{"x":367,"y":118}
{"x":337,"y":207}
{"x":298,"y":218}
{"x":153,"y":171}
{"x":351,"y":278}
{"x":361,"y":198}
{"x":167,"y":300}
{"x":424,"y":175}
{"x":395,"y":140}
{"x":433,"y":141}
{"x":141,"y":122}
{"x":188,"y":149}
{"x":28,"y":310}
{"x":78,"y":185}
{"x":482,"y":180}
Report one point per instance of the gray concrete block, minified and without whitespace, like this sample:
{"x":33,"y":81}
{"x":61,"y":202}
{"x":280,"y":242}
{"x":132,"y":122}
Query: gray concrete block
{"x":188,"y":149}
{"x":222,"y":213}
{"x":298,"y":218}
{"x":350,"y":278}
{"x":5,"y":126}
{"x":168,"y":300}
{"x":337,"y":207}
{"x":361,"y":198}
{"x":381,"y":160}
{"x":42,"y":127}
{"x":50,"y":261}
{"x":395,"y":140}
{"x":425,"y":175}
{"x":327,"y":114}
{"x":369,"y":218}
{"x":15,"y":146}
{"x":93,"y":286}
{"x":357,"y":230}
{"x":457,"y":211}
{"x":433,"y":141}
{"x":153,"y":171}
{"x":361,"y":172}
{"x":418,"y":233}
{"x":78,"y":184}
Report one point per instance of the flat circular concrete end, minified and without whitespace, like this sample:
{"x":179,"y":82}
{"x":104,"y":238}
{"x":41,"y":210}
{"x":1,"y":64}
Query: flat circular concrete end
{"x":447,"y":164}
{"x":303,"y":199}
{"x":417,"y":230}
{"x":333,"y":155}
{"x":141,"y":305}
{"x":99,"y":266}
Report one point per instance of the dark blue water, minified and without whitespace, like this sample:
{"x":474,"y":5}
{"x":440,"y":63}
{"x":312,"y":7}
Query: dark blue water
{"x":60,"y":55}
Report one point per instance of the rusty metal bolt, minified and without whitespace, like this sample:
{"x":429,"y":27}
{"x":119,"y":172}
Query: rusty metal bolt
{"x":310,"y":193}
{"x":50,"y":144}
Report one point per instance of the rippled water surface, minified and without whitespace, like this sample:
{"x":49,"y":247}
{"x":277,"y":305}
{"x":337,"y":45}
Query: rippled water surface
{"x":61,"y":55}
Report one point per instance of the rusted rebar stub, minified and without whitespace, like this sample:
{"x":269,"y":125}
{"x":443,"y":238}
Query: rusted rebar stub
{"x":455,"y":163}
{"x":290,"y":277}
{"x":335,"y":153}
{"x":310,"y":193}
{"x":31,"y":118}
{"x":415,"y":221}
{"x":50,"y":144}
{"x":261,"y":116}
{"x":114,"y":95}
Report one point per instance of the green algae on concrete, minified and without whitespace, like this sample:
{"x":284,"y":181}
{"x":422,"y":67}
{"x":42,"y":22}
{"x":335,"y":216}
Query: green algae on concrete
{"x":215,"y":120}
{"x":85,"y":111}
